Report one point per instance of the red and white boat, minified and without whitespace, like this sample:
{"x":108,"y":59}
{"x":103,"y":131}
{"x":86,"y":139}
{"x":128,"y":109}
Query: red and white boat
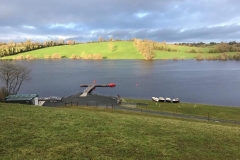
{"x":111,"y":85}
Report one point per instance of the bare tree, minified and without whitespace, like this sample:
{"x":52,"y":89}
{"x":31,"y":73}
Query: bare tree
{"x":13,"y":75}
{"x":110,"y":46}
{"x":100,"y":39}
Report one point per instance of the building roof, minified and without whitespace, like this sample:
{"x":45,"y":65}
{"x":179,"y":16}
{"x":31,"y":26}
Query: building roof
{"x":21,"y":97}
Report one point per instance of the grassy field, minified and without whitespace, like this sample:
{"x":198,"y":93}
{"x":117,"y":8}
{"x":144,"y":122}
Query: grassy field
{"x":122,"y":50}
{"x":183,"y":53}
{"x":29,"y":132}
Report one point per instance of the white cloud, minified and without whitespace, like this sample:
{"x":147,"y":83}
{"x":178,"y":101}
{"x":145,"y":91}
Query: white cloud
{"x":28,"y":27}
{"x":141,"y":14}
{"x":68,"y":25}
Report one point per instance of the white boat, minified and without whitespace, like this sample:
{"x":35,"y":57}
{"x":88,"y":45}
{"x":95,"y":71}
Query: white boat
{"x":176,"y":100}
{"x":161,"y":99}
{"x":155,"y":99}
{"x":168,"y":100}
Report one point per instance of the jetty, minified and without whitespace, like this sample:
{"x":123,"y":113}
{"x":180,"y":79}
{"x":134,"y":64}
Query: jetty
{"x":91,"y":87}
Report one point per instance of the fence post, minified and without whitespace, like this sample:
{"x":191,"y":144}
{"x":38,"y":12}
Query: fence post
{"x":65,"y":104}
{"x":208,"y":116}
{"x":141,"y":110}
{"x":77,"y":103}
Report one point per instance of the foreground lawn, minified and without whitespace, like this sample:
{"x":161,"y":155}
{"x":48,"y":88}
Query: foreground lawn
{"x":29,"y":132}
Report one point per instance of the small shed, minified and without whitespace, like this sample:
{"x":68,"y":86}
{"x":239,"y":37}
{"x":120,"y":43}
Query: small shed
{"x":31,"y":99}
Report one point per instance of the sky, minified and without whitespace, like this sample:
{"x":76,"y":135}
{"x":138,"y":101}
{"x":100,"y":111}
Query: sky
{"x":86,"y":20}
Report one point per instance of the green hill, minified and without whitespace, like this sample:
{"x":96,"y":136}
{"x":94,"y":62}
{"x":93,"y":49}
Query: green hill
{"x":29,"y":132}
{"x":121,"y":50}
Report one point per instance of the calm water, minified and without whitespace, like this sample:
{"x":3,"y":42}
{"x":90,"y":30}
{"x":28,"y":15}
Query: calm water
{"x":212,"y":82}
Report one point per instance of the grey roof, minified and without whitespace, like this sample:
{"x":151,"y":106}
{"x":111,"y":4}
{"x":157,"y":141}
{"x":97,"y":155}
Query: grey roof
{"x":21,"y":97}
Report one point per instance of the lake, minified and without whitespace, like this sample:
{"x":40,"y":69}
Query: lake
{"x":210,"y":82}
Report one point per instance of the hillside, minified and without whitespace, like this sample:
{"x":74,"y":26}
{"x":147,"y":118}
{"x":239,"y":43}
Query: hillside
{"x":121,"y":50}
{"x":29,"y":132}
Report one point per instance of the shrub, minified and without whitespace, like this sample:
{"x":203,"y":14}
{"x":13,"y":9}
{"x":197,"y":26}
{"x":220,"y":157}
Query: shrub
{"x":97,"y":56}
{"x":18,"y":58}
{"x":30,"y":57}
{"x":193,"y":51}
{"x":56,"y":56}
{"x":88,"y":56}
{"x":230,"y":57}
{"x":47,"y":57}
{"x":199,"y":57}
{"x":73,"y":56}
{"x":209,"y":58}
{"x":175,"y":59}
{"x":223,"y":57}
{"x":237,"y":56}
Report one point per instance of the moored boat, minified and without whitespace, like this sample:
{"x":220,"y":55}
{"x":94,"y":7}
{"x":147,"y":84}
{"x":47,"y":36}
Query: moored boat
{"x":155,"y":99}
{"x":168,"y":100}
{"x":161,"y":99}
{"x":176,"y":100}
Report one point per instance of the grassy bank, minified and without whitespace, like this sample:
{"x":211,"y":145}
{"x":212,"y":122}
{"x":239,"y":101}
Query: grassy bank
{"x":29,"y":132}
{"x":204,"y":110}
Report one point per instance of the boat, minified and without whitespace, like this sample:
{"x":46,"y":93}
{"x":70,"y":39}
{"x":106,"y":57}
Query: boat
{"x":155,"y":99}
{"x":161,"y":99}
{"x":111,"y":85}
{"x":55,"y":99}
{"x":168,"y":100}
{"x":176,"y":100}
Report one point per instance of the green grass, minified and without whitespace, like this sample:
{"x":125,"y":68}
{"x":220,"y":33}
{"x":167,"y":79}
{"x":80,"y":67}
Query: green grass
{"x":171,"y":55}
{"x":29,"y":132}
{"x":122,"y":50}
{"x":182,"y":53}
{"x":218,"y":112}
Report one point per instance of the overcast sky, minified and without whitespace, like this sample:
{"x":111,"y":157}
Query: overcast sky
{"x":87,"y":20}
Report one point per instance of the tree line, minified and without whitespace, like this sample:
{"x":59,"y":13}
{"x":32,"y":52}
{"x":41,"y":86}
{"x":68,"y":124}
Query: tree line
{"x":225,"y":47}
{"x":12,"y":48}
{"x":222,"y":47}
{"x":222,"y":57}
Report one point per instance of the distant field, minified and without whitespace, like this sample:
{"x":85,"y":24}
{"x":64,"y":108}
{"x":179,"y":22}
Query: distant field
{"x":29,"y":132}
{"x":182,"y":53}
{"x":122,"y":50}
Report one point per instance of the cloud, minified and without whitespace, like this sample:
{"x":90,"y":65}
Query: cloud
{"x":172,"y":20}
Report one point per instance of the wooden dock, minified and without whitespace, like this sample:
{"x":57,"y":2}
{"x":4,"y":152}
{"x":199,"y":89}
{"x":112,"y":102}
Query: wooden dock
{"x":90,"y":88}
